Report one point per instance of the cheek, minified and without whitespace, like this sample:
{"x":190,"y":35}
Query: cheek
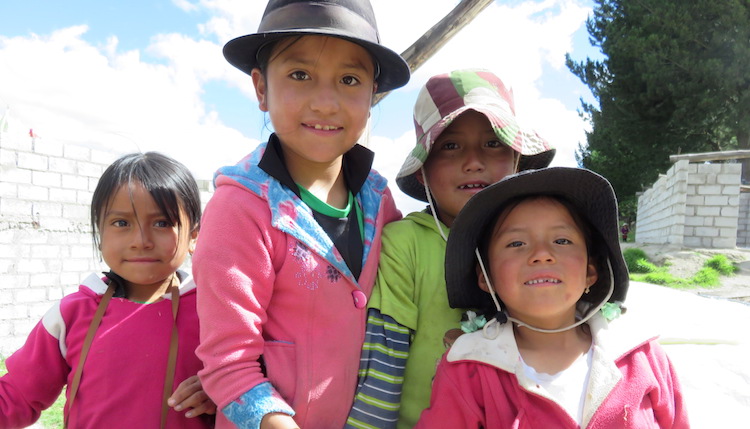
{"x":502,"y":168}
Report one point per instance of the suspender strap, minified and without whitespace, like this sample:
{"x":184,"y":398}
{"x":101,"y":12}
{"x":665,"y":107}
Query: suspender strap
{"x":172,"y":361}
{"x":87,"y":345}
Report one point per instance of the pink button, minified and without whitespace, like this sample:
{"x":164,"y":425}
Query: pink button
{"x":360,"y":300}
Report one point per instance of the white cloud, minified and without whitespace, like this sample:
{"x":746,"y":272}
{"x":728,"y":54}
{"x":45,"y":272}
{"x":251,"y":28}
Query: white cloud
{"x":98,"y":94}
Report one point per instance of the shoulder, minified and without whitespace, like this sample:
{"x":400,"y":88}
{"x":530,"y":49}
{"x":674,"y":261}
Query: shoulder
{"x":495,"y":347}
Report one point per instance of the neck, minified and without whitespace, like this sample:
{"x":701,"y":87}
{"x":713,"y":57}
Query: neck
{"x":147,"y":294}
{"x":326,"y":182}
{"x":552,"y":353}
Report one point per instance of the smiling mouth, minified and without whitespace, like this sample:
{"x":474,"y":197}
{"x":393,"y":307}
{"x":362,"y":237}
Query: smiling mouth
{"x":473,"y":186}
{"x":323,"y":127}
{"x":539,"y":281}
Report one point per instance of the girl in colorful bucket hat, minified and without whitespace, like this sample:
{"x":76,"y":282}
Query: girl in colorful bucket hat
{"x":540,"y":250}
{"x":468,"y":137}
{"x":291,"y":237}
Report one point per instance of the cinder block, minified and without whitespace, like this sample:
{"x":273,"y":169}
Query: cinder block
{"x":14,"y":175}
{"x":32,"y":161}
{"x":89,"y":169}
{"x":62,"y":165}
{"x":33,"y":192}
{"x":716,"y":200}
{"x":74,"y":182}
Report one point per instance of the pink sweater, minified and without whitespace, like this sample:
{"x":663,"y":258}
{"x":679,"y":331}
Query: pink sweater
{"x":480,"y":383}
{"x":123,"y":377}
{"x":274,"y":286}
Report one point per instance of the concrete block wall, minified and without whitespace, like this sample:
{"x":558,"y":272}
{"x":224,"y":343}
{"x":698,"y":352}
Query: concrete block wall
{"x":661,"y":209}
{"x":45,"y":240}
{"x":743,"y":221}
{"x":712,"y":205}
{"x":692,"y":205}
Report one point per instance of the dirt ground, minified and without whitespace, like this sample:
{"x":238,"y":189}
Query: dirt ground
{"x":686,"y":262}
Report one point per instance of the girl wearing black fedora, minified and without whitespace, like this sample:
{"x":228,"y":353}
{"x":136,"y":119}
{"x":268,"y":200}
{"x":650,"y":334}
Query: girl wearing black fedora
{"x":291,"y":237}
{"x":539,"y":253}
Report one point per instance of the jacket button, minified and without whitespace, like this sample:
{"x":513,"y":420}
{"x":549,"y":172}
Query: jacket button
{"x":360,"y":300}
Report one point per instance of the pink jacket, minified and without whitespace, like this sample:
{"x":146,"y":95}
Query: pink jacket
{"x":274,"y":286}
{"x":123,"y":377}
{"x":480,"y":384}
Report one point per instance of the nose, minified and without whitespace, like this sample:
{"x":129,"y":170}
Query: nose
{"x":473,"y":160}
{"x":142,"y":238}
{"x":324,"y":98}
{"x":541,"y":254}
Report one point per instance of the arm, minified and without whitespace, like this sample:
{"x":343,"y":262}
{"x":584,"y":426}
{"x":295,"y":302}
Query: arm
{"x":37,"y":372}
{"x":235,"y":270}
{"x":668,"y":403}
{"x":382,"y":366}
{"x":450,"y":404}
{"x":391,"y":318}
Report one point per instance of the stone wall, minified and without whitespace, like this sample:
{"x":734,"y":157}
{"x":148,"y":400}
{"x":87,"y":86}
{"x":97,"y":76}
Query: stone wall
{"x":692,"y":205}
{"x":661,"y":209}
{"x":45,"y":233}
{"x":743,"y":222}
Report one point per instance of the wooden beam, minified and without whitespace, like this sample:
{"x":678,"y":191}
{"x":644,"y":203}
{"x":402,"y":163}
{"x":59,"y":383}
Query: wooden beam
{"x":437,"y":36}
{"x":711,"y":156}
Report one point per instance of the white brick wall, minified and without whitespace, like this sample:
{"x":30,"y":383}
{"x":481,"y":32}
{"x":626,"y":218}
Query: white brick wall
{"x":45,"y":240}
{"x":743,"y":220}
{"x":693,"y":205}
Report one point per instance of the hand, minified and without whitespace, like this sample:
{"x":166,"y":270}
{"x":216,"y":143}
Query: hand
{"x":278,"y":421}
{"x":190,"y":396}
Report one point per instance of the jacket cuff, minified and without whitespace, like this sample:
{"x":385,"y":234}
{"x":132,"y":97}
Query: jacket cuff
{"x":247,"y":411}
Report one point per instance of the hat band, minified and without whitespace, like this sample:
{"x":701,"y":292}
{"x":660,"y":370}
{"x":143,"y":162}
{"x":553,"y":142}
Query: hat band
{"x":313,"y":18}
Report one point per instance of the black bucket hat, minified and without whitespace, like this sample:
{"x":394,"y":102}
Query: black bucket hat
{"x":591,"y":194}
{"x":352,"y":20}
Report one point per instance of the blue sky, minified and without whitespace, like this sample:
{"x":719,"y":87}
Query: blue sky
{"x":149,"y":75}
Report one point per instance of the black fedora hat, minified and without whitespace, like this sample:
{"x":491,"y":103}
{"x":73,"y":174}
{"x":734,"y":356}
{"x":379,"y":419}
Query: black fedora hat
{"x":591,"y":194}
{"x":352,"y":20}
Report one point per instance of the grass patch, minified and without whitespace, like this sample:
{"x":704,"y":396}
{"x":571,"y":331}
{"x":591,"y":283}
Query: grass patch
{"x":722,"y":265}
{"x":642,"y":270}
{"x":52,"y":417}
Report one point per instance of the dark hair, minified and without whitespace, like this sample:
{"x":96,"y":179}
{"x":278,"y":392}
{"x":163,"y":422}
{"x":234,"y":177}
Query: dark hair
{"x":170,"y":183}
{"x":596,"y":247}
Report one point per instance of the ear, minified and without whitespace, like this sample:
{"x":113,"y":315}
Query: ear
{"x":193,"y":241}
{"x":261,"y":89}
{"x":418,"y":175}
{"x":591,"y":275}
{"x":482,"y":281}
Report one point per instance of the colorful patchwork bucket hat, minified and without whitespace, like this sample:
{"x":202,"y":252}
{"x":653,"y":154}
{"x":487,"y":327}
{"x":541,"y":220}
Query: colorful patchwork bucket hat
{"x":446,"y":96}
{"x":352,"y":20}
{"x":592,"y":196}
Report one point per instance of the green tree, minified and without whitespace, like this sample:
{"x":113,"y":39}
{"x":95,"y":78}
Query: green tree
{"x":675,"y":78}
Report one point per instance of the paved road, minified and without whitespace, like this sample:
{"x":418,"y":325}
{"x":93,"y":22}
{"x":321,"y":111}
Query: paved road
{"x":708,"y":341}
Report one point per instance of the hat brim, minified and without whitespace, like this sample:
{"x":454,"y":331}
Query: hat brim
{"x":394,"y":71}
{"x":590,"y":193}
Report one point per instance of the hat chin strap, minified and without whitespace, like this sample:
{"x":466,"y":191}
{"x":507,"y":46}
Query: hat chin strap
{"x":432,"y":204}
{"x":534,"y":328}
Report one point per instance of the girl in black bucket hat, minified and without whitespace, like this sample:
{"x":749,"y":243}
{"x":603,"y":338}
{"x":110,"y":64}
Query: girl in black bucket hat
{"x":291,"y":237}
{"x":541,"y":248}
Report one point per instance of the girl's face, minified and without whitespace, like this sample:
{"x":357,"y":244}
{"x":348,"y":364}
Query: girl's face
{"x":317,"y":91}
{"x":465,"y":158}
{"x":539,"y":263}
{"x":139,"y":243}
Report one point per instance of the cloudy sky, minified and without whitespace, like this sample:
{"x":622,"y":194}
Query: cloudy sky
{"x":149,"y":74}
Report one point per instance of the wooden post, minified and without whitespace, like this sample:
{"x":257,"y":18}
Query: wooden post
{"x":437,"y":36}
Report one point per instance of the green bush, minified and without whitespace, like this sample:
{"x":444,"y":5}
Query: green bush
{"x":633,"y":259}
{"x":722,"y":265}
{"x":706,"y":277}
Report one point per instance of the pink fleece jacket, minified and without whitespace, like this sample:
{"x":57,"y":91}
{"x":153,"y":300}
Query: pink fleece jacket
{"x":480,"y":383}
{"x":123,"y":377}
{"x":274,"y":287}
